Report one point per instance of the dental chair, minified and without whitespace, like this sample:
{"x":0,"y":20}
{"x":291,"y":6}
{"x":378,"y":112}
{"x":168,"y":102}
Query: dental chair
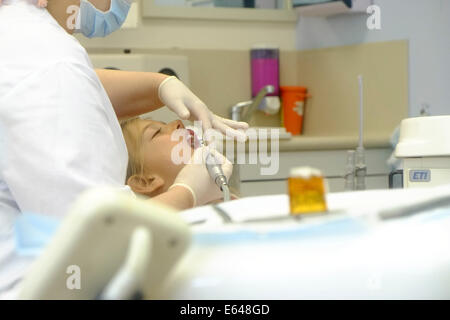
{"x":375,"y":244}
{"x":110,"y":246}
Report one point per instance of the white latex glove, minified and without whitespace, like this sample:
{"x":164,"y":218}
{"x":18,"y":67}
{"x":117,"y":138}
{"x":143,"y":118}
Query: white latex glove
{"x":195,"y":177}
{"x":39,"y":3}
{"x":178,"y":98}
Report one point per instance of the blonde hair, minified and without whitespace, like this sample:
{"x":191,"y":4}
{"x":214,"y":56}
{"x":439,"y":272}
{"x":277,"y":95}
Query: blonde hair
{"x":133,"y":141}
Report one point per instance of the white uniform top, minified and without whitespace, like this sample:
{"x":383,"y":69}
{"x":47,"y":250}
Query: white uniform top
{"x":58,"y":131}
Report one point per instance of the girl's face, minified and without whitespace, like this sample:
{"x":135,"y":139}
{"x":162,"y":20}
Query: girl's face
{"x":162,"y":150}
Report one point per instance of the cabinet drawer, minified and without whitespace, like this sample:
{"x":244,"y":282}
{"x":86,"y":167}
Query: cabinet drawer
{"x":258,"y":188}
{"x":331,"y":162}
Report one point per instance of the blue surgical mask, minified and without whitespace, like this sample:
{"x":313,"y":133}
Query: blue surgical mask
{"x":96,"y":23}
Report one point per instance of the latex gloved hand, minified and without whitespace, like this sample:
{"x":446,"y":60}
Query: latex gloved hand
{"x":42,"y":3}
{"x":195,"y":177}
{"x":178,"y":98}
{"x":39,"y":3}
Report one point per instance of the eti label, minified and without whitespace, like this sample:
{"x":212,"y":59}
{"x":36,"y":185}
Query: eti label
{"x":419,"y":175}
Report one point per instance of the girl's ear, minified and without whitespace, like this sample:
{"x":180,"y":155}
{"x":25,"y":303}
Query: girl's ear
{"x":150,"y":185}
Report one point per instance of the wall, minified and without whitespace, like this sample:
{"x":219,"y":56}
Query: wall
{"x":424,"y":23}
{"x":330,"y":74}
{"x":221,"y":78}
{"x":220,"y":71}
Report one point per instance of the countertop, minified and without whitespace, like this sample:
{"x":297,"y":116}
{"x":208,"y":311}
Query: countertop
{"x":304,"y":142}
{"x":317,"y":143}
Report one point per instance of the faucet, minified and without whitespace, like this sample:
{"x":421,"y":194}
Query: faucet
{"x":236,"y":110}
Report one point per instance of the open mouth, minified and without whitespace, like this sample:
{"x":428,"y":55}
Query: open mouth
{"x":192,"y":139}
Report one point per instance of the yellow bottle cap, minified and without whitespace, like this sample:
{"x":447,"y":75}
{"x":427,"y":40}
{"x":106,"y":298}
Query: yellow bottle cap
{"x":305,"y":172}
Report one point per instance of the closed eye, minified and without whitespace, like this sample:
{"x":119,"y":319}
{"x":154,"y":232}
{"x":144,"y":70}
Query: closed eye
{"x":156,"y":133}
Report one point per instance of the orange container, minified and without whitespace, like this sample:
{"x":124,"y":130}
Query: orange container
{"x":293,"y":100}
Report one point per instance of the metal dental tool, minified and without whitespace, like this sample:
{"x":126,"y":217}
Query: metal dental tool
{"x":216,"y":173}
{"x":214,"y":169}
{"x":356,"y":169}
{"x":361,"y":169}
{"x":350,"y":171}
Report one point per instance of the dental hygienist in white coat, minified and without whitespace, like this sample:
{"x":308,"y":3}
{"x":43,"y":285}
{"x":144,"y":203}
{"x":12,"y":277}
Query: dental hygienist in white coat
{"x":59,"y":132}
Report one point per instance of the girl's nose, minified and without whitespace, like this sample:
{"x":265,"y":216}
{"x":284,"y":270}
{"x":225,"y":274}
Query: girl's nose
{"x":177,"y":124}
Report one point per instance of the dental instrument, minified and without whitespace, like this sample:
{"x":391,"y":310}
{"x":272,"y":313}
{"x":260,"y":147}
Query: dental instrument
{"x":216,"y":173}
{"x":356,"y":168}
{"x":360,"y":166}
{"x":214,"y":168}
{"x":349,"y":176}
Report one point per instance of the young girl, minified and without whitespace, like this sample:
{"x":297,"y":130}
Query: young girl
{"x":151,"y":173}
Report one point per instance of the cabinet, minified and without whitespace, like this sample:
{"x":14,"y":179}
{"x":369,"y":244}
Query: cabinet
{"x":333,"y":8}
{"x":331,"y":162}
{"x":151,"y":9}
